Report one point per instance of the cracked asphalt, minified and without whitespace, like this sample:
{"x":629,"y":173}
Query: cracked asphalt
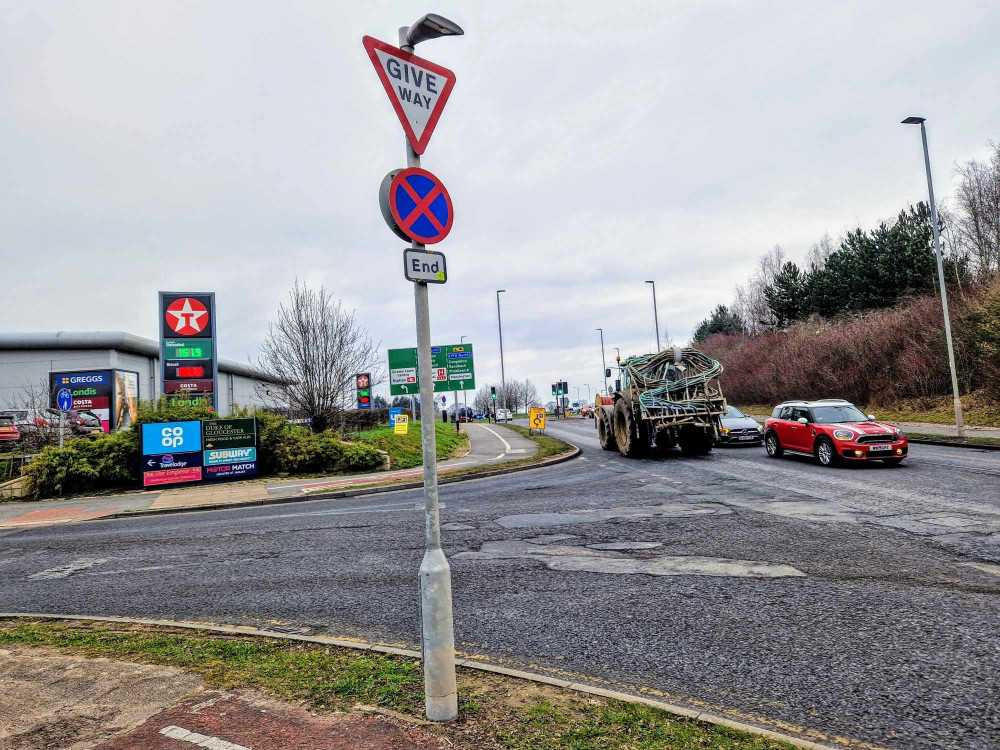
{"x":860,"y":602}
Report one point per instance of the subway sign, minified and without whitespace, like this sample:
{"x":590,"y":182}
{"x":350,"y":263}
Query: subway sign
{"x":189,"y":369}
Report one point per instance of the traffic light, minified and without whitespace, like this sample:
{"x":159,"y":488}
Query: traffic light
{"x":493,"y":392}
{"x":363,"y":386}
{"x":565,"y":387}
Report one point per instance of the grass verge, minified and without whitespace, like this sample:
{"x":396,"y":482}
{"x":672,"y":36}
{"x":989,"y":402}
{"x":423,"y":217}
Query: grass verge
{"x":968,"y":440}
{"x":405,"y":451}
{"x":496,"y":712}
{"x":978,"y":409}
{"x":547,"y":445}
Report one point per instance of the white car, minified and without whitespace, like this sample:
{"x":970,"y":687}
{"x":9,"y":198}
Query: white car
{"x":504,"y":415}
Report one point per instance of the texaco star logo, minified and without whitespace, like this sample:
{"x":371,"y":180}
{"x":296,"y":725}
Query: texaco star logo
{"x":187,"y":316}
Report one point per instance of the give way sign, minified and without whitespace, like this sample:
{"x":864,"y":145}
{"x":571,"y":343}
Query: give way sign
{"x":417,"y":88}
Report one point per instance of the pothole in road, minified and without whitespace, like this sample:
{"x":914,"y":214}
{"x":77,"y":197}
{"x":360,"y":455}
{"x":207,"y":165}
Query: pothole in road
{"x":598,"y":515}
{"x":587,"y":560}
{"x":65,"y":571}
{"x":625,"y":546}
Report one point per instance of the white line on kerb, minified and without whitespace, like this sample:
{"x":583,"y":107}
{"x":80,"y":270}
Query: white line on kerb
{"x":498,"y":436}
{"x":201,"y":740}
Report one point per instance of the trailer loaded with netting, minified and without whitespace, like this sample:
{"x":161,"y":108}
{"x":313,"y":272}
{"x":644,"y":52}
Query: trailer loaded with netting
{"x":672,"y":398}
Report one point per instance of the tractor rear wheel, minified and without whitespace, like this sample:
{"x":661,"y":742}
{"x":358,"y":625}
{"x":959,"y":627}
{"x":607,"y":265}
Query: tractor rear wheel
{"x":627,"y":432}
{"x":605,"y":430}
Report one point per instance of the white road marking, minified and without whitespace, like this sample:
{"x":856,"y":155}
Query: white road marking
{"x":985,"y":567}
{"x":65,"y":571}
{"x":201,"y":740}
{"x":498,"y":436}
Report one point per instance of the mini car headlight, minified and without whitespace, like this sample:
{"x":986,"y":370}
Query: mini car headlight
{"x":724,"y":430}
{"x":843,"y":434}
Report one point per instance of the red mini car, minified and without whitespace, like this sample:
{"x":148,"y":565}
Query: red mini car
{"x":833,"y":431}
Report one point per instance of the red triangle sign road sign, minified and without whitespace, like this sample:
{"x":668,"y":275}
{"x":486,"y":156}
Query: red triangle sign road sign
{"x":417,"y":88}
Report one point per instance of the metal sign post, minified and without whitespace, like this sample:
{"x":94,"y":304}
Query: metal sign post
{"x":418,"y":90}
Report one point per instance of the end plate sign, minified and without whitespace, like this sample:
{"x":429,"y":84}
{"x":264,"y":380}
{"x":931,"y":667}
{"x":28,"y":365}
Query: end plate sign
{"x":425,"y":265}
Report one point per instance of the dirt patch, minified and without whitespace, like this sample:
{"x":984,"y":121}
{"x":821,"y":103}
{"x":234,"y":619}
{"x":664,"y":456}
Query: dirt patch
{"x":53,"y":701}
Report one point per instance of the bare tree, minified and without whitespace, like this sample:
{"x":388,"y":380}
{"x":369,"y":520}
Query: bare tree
{"x":750,"y":303}
{"x":529,"y":395}
{"x":819,"y":252}
{"x":482,"y":402}
{"x":977,"y":221}
{"x":315,"y":348}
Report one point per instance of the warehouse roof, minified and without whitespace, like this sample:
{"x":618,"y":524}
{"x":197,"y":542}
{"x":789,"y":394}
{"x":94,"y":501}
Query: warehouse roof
{"x":117,"y":340}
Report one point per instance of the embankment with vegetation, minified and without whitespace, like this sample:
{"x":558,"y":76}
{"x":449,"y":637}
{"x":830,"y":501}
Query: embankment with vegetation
{"x":894,"y":357}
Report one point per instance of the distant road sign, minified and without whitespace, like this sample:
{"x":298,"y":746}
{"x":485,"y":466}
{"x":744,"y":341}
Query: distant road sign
{"x":64,"y":399}
{"x":419,"y":206}
{"x":452,"y":369}
{"x":536,"y":418}
{"x":418,"y":89}
{"x":425,"y":265}
{"x":402,"y":424}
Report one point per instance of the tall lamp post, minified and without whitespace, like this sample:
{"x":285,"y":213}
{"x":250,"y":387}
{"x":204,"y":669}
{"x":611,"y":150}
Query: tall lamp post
{"x":959,"y":419}
{"x":656,"y":315}
{"x":604,"y":364}
{"x":465,"y":399}
{"x":503,"y":379}
{"x":437,"y":637}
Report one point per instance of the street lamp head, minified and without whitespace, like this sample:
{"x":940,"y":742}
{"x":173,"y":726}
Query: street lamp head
{"x":431,"y":26}
{"x":501,"y":290}
{"x":913,"y":120}
{"x":649,"y":281}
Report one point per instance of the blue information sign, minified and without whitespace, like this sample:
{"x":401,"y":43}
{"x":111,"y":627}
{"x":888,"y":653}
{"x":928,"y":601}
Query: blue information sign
{"x":159,"y":438}
{"x":64,"y":399}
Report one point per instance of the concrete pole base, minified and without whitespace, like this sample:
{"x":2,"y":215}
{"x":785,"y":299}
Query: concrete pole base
{"x":438,"y":637}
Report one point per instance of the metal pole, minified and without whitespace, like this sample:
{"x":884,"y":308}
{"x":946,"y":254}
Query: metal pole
{"x":604,"y":364}
{"x":437,"y":632}
{"x":959,"y":419}
{"x":503,"y":379}
{"x":656,"y":316}
{"x":62,"y":422}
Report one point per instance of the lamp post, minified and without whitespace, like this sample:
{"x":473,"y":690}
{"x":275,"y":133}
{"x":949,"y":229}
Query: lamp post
{"x":503,"y":379}
{"x":959,"y":419}
{"x":437,"y":636}
{"x":656,"y":315}
{"x":465,"y":397}
{"x":604,"y":365}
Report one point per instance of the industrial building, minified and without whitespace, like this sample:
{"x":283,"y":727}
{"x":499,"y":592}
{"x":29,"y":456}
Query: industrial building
{"x":26,"y":359}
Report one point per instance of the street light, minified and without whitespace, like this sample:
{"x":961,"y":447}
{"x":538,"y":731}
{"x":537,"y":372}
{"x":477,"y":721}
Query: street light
{"x":656,"y":316}
{"x":465,"y":398}
{"x":503,"y":379}
{"x":437,"y":631}
{"x":959,"y":419}
{"x":604,"y":365}
{"x":430,"y":26}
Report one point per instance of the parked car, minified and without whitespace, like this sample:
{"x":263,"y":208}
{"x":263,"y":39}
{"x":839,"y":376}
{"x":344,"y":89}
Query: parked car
{"x":587,"y":410}
{"x":479,"y":416}
{"x":832,"y":431}
{"x":76,"y":422}
{"x":462,"y":414}
{"x":504,"y":415}
{"x":9,"y":433}
{"x":739,"y":429}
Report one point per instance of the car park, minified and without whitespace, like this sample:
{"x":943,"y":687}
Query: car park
{"x":739,"y":429}
{"x":833,"y":431}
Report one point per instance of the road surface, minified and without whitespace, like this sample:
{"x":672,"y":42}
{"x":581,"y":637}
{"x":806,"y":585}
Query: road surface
{"x":862,"y":601}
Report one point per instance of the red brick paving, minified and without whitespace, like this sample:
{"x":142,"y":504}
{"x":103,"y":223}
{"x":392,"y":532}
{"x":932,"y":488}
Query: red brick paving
{"x":55,"y":515}
{"x":231,"y":719}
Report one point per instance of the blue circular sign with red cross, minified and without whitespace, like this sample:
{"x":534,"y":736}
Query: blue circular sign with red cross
{"x":420,"y":205}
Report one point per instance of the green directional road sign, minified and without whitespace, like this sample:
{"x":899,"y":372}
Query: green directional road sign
{"x":452,"y":369}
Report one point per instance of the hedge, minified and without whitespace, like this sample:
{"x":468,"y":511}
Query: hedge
{"x":108,"y":462}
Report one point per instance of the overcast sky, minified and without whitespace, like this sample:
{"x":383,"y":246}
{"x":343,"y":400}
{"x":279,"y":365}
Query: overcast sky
{"x":235,"y":146}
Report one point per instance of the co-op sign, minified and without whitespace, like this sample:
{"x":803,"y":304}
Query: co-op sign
{"x":187,"y":452}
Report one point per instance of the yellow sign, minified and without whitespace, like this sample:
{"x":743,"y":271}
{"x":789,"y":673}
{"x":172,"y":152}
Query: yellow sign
{"x":402,"y":424}
{"x":536,"y":418}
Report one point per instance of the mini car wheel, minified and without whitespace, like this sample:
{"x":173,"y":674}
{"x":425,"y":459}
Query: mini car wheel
{"x":772,"y":446}
{"x":826,"y":454}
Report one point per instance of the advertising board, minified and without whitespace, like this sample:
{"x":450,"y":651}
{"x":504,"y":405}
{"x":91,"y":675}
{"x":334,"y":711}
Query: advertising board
{"x":110,"y":395}
{"x":171,"y":453}
{"x":189,"y":368}
{"x":230,"y":448}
